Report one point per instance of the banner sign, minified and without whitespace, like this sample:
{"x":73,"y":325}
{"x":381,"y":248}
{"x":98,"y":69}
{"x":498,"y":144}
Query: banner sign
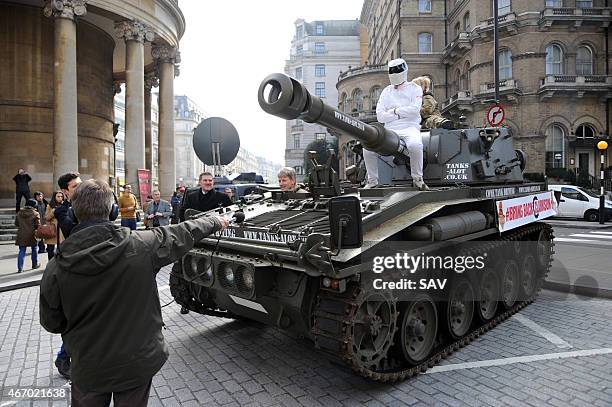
{"x":144,"y":185}
{"x":515,"y":212}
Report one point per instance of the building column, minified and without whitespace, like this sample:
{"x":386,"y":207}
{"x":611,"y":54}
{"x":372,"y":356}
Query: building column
{"x":135,"y":34}
{"x":151,"y":81}
{"x":65,"y":128}
{"x":166,"y":57}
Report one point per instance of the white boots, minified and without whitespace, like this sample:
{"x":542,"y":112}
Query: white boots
{"x":417,"y":182}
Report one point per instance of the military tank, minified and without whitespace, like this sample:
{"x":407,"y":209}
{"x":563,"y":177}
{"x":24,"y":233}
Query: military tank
{"x":310,"y":263}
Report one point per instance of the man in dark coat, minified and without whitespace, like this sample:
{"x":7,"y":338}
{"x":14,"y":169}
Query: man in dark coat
{"x":22,"y":188}
{"x":64,"y":215}
{"x":100,"y":293}
{"x":204,"y":198}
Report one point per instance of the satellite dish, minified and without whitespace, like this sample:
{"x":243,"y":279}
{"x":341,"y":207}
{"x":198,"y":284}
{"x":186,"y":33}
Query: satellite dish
{"x":216,"y":141}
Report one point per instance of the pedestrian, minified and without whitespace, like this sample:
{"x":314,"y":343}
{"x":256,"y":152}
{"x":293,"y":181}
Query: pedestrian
{"x":158,"y":211}
{"x":56,"y":200}
{"x":27,"y":220}
{"x":399,"y":109}
{"x":128,"y":205}
{"x":204,"y":198}
{"x":431,"y":117}
{"x":288,"y":182}
{"x":177,"y":197}
{"x":22,"y":189}
{"x":100,"y":293}
{"x":230,"y":193}
{"x":41,"y":207}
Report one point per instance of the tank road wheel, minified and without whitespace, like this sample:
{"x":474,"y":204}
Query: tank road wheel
{"x":489,"y":296}
{"x":544,"y":247}
{"x":458,"y":311}
{"x":510,"y":283}
{"x":374,"y":326}
{"x":419,"y":329}
{"x":529,"y":275}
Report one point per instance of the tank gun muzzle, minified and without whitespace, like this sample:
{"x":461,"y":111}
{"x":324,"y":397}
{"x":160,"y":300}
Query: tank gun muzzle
{"x":285,"y":97}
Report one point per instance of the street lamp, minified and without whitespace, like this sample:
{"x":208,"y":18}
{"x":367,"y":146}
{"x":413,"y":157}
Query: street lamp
{"x":602,"y":146}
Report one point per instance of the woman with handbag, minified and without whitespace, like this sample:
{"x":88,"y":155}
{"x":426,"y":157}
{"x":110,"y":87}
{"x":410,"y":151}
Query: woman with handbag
{"x":27,"y":221}
{"x":51,"y":242}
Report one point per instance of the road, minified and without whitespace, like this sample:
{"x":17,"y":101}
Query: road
{"x":557,"y":351}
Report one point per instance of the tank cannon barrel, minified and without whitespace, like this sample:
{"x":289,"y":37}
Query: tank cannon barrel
{"x":285,"y":97}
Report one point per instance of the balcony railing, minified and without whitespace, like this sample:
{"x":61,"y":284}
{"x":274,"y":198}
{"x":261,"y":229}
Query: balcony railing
{"x":297,"y":127}
{"x":507,"y":23}
{"x":457,"y":48}
{"x":461,"y":100}
{"x":576,"y":84}
{"x":574,"y":16}
{"x":362,"y":70}
{"x":504,"y":85}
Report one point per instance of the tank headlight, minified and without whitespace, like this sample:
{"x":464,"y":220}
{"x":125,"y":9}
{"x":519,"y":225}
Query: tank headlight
{"x":226,"y":274}
{"x":327,"y":282}
{"x":248,"y":278}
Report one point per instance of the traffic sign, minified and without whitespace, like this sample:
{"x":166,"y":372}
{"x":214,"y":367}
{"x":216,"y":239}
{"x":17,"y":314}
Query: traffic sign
{"x":496,"y":115}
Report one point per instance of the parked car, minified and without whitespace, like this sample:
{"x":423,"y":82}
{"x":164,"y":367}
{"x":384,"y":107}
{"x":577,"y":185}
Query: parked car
{"x":577,"y":202}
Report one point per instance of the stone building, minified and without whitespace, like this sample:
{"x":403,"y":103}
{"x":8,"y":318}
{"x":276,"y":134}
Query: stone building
{"x":187,"y":116}
{"x":555,"y":83}
{"x":61,"y":64}
{"x":320,"y":50}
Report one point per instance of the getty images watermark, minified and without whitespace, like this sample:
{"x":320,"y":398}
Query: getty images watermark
{"x":403,"y":264}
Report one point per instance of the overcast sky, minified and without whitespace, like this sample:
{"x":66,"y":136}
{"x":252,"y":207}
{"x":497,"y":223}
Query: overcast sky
{"x":230,"y":46}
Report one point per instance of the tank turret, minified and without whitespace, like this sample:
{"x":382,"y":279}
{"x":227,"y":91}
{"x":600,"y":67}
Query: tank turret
{"x":463,"y":156}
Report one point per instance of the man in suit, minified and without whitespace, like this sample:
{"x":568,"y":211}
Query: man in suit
{"x":158,"y":211}
{"x":204,"y":198}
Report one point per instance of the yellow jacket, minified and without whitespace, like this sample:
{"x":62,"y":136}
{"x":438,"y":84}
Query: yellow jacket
{"x":127,"y":206}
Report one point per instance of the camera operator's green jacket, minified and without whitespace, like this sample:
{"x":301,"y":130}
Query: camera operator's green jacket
{"x":100,"y":293}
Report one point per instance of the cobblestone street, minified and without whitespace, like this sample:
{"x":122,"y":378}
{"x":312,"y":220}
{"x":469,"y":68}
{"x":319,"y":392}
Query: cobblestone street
{"x":557,"y":351}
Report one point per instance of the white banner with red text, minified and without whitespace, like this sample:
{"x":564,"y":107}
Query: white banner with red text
{"x":515,"y":212}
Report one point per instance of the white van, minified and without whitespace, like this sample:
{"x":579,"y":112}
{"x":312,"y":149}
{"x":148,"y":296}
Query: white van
{"x":576,"y":202}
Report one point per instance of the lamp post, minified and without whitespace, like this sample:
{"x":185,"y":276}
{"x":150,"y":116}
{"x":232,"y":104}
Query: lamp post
{"x":602,"y":146}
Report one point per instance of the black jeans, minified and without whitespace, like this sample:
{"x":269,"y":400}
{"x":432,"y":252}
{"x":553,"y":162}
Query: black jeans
{"x":50,"y":251}
{"x":24,"y":194}
{"x":136,"y":397}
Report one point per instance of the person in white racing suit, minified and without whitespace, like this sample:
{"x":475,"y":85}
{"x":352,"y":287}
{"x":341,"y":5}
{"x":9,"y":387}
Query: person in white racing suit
{"x":399,"y":109}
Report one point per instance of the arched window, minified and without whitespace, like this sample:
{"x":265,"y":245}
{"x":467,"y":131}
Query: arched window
{"x":457,"y":29}
{"x":466,"y":22}
{"x":343,"y":106}
{"x":466,"y":76}
{"x":505,"y":64}
{"x":457,"y":81}
{"x":425,"y":43}
{"x":554,"y":60}
{"x":584,"y":61}
{"x":374,"y":95}
{"x":555,"y":146}
{"x":357,"y":100}
{"x":585,"y":131}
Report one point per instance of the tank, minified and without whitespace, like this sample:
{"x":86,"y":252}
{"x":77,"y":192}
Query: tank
{"x":379,"y":278}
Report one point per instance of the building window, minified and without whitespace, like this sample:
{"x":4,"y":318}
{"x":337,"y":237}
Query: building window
{"x":296,"y":141}
{"x":319,"y":70}
{"x":374,"y":96}
{"x":466,"y":76}
{"x":119,"y":146}
{"x":425,"y":43}
{"x":299,"y":170}
{"x":554,"y":60}
{"x":503,"y":7}
{"x":320,"y":89}
{"x":298,"y":73}
{"x":554,"y":3}
{"x":320,"y":29}
{"x":585,"y":131}
{"x":320,"y":136}
{"x":584,"y":61}
{"x":555,"y":146}
{"x":319,"y":47}
{"x":466,"y":22}
{"x":584,"y":4}
{"x":357,"y":100}
{"x":424,"y":6}
{"x":457,"y":29}
{"x":343,"y":107}
{"x":299,"y":32}
{"x":299,"y":49}
{"x":505,"y":64}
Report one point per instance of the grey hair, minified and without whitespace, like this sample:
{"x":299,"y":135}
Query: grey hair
{"x":92,"y":200}
{"x":287,"y":172}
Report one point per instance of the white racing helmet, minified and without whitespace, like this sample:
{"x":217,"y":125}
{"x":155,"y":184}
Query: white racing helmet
{"x":398,"y":71}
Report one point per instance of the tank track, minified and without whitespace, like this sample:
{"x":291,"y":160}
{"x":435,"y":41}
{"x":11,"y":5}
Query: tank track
{"x":334,"y":313}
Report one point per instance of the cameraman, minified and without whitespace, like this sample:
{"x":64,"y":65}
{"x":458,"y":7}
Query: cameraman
{"x":100,"y":293}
